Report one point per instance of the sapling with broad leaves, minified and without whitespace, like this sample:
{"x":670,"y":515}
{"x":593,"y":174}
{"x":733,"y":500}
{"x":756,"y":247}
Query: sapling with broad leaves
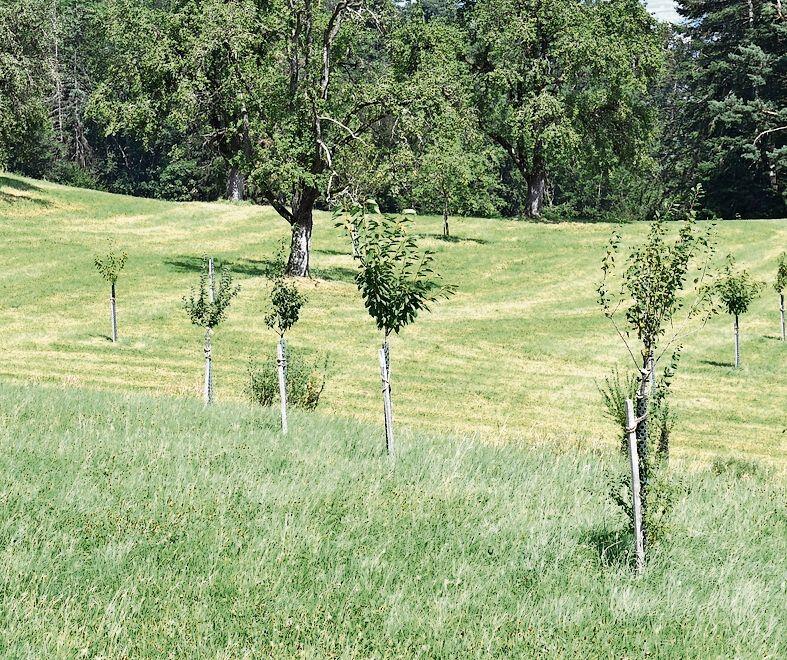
{"x":737,"y":290}
{"x":283,"y":312}
{"x":396,"y":280}
{"x":109,"y":267}
{"x":779,"y":285}
{"x":656,"y":298}
{"x":207,"y":306}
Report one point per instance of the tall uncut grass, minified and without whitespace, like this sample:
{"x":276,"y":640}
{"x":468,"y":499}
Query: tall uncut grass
{"x":142,"y":527}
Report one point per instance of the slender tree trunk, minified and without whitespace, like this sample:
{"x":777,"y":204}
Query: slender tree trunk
{"x":236,"y":185}
{"x":536,"y":185}
{"x":642,"y":440}
{"x":113,"y":313}
{"x":737,"y":329}
{"x":208,"y":386}
{"x":281,"y":363}
{"x":302,"y":224}
{"x":446,"y":232}
{"x":781,"y":312}
{"x":636,"y":490}
{"x":385,"y":374}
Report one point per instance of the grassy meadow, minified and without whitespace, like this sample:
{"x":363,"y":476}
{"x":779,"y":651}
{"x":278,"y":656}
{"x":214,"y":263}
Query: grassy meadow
{"x":516,"y":355}
{"x":137,"y":526}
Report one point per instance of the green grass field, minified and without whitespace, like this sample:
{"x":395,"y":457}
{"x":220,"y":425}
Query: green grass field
{"x":134,"y":526}
{"x":516,"y":355}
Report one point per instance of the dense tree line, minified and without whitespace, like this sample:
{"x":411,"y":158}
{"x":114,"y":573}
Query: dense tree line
{"x":564,"y":108}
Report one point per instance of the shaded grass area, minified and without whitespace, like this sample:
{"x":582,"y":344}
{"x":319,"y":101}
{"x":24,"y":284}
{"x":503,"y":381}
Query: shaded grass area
{"x":516,"y":355}
{"x":142,"y":527}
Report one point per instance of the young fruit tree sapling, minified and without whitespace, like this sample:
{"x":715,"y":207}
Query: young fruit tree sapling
{"x":109,"y":267}
{"x":206,"y":307}
{"x":283,"y":312}
{"x":396,"y":281}
{"x":780,"y":285}
{"x":657,"y":297}
{"x":736,"y":291}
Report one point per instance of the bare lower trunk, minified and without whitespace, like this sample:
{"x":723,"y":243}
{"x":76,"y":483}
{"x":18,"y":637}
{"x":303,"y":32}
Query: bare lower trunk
{"x":781,"y":312}
{"x":536,"y":185}
{"x":236,"y":185}
{"x":636,"y":490}
{"x":737,"y":330}
{"x":385,"y":374}
{"x":281,"y":362}
{"x":642,"y":440}
{"x":113,"y":314}
{"x":208,"y":386}
{"x":446,"y":232}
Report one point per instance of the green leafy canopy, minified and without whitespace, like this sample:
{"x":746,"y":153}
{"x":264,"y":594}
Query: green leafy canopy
{"x":286,"y":301}
{"x":395,"y":277}
{"x":737,"y":289}
{"x":208,"y":308}
{"x":110,"y":264}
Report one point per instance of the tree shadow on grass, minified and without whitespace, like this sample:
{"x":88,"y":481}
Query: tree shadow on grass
{"x":716,"y":363}
{"x":14,"y":184}
{"x":256,"y":268}
{"x":613,"y":546}
{"x":454,"y":239}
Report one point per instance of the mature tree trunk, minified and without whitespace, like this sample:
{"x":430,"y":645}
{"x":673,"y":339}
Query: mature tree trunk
{"x":113,"y":313}
{"x":781,"y":312}
{"x":737,"y":330}
{"x":236,"y":185}
{"x":446,"y":232}
{"x":302,"y":221}
{"x":536,"y":185}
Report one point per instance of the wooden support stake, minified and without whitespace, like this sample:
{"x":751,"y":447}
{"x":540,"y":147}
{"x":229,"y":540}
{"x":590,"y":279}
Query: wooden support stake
{"x":387,"y":405}
{"x":737,"y":329}
{"x":281,"y":361}
{"x":113,"y":313}
{"x":639,"y":542}
{"x":781,"y":312}
{"x":208,"y":387}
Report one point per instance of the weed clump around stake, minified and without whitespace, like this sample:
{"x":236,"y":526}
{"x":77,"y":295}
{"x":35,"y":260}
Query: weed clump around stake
{"x":109,"y":267}
{"x":207,"y":306}
{"x":737,"y":290}
{"x":396,"y":280}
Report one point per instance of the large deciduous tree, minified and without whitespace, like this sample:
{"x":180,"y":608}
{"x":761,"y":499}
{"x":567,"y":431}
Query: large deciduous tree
{"x":564,"y":79}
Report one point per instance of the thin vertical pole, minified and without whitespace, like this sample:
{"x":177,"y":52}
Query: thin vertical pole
{"x":387,"y":407}
{"x":737,"y":330}
{"x":208,"y":390}
{"x":639,"y":541}
{"x":113,"y":313}
{"x":781,"y":312}
{"x":281,"y":361}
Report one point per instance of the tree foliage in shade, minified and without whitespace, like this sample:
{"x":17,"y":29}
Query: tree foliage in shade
{"x":395,"y":277}
{"x":730,"y":95}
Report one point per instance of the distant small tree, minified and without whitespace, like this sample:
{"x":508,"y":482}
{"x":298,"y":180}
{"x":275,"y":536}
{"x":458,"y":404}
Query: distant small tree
{"x":283,"y":312}
{"x":651,"y":293}
{"x":109,"y":267}
{"x":207,"y":306}
{"x":779,"y":286}
{"x":736,"y":291}
{"x":396,"y":280}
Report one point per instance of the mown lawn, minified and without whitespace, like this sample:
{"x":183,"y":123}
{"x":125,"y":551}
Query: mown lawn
{"x":133,"y":526}
{"x":516,"y":355}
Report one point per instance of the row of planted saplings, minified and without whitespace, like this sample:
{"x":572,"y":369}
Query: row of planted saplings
{"x":395,"y":278}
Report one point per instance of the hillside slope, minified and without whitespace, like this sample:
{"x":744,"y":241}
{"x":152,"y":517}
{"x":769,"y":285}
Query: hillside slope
{"x":142,"y":527}
{"x":515,"y":356}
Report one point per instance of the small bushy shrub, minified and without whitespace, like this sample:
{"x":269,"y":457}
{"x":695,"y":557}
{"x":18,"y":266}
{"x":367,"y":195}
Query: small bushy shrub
{"x":305,"y":381}
{"x":738,"y":468}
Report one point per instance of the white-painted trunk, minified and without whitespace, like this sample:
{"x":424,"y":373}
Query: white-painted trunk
{"x":781,"y":313}
{"x":737,"y":330}
{"x":387,"y":403}
{"x":113,"y":314}
{"x":208,"y":385}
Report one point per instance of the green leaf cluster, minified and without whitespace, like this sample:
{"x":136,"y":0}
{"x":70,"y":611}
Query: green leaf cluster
{"x":286,"y":300}
{"x":205,"y":307}
{"x":736,"y":289}
{"x":395,"y":277}
{"x":780,"y":284}
{"x":110,"y":264}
